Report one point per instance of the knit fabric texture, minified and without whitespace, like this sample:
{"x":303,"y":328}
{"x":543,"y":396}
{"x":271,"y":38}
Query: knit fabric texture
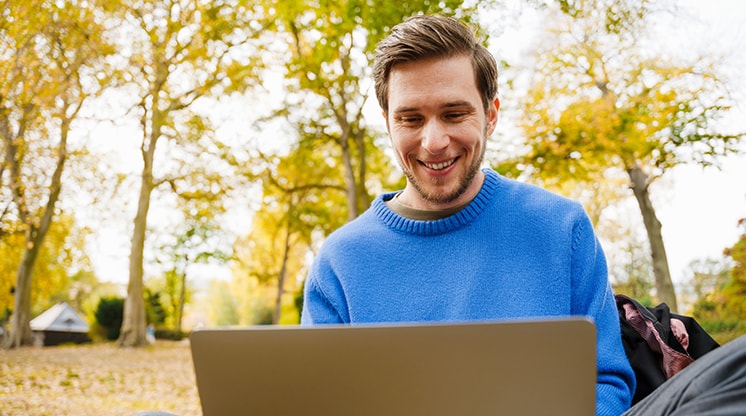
{"x":516,"y":251}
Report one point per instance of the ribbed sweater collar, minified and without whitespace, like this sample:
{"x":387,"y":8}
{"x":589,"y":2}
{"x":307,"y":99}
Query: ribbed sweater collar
{"x":444,"y":225}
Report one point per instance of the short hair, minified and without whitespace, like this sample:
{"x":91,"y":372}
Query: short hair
{"x":433,"y":36}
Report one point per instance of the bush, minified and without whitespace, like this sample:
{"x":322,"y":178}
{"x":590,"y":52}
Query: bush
{"x":170,"y":334}
{"x":109,"y":315}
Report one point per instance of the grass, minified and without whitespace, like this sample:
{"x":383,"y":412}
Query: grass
{"x":98,"y":379}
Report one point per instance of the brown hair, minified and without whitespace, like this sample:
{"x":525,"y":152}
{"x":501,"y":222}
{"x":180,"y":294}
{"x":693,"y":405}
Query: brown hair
{"x":433,"y":36}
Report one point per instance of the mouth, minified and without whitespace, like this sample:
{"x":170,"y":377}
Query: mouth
{"x":440,"y":165}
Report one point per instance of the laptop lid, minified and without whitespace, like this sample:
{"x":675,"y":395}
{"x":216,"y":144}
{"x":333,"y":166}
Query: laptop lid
{"x":485,"y":368}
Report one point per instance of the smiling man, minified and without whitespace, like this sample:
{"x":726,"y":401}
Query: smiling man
{"x":461,"y":243}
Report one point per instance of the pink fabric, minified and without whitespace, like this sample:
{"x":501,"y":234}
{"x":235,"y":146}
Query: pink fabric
{"x":679,"y":331}
{"x":672,"y":360}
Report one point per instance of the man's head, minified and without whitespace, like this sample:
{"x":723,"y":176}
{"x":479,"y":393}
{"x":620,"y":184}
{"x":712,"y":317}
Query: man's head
{"x":437,"y":86}
{"x":432,"y":36}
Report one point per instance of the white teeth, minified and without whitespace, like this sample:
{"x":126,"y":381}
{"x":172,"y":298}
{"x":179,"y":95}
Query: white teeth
{"x":441,"y":165}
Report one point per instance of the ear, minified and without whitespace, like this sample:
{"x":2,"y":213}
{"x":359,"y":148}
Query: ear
{"x":386,"y":119}
{"x":492,"y":111}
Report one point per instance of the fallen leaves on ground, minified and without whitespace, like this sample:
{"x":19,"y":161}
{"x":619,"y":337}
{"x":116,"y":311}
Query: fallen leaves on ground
{"x":98,"y":379}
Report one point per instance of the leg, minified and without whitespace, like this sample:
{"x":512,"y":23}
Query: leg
{"x":715,"y":384}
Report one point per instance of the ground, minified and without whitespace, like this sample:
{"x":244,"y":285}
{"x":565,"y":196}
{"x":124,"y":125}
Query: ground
{"x":98,"y":379}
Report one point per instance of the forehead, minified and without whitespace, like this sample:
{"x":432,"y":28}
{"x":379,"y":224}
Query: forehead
{"x":432,"y":82}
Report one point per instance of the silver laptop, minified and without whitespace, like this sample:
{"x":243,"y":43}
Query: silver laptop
{"x":489,"y":368}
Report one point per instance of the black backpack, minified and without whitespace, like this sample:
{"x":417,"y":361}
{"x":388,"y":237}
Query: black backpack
{"x":653,"y":338}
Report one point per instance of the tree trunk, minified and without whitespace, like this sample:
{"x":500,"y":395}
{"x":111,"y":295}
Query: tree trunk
{"x":281,"y":279}
{"x":20,"y":331}
{"x":364,"y":197}
{"x":350,"y":183}
{"x":663,"y":283}
{"x":134,"y":331}
{"x":182,"y":300}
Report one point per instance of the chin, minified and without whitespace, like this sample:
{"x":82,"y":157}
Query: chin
{"x":442,"y":196}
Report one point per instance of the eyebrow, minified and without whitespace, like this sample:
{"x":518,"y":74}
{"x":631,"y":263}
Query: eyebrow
{"x":460,"y":103}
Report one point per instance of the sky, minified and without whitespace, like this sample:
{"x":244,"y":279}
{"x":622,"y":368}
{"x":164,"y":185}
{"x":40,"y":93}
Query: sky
{"x":699,"y":209}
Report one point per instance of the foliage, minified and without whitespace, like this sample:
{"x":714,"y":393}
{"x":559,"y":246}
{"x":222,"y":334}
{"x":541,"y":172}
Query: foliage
{"x":154,"y":308}
{"x":222,"y":309}
{"x":328,"y":59}
{"x":55,"y":278}
{"x":170,"y":334}
{"x":180,"y":53}
{"x":300,"y":194}
{"x":335,"y":157}
{"x":197,"y":240}
{"x":599,"y":103}
{"x":632,"y":274}
{"x":738,"y":273}
{"x":49,"y":54}
{"x":721,"y":304}
{"x":109,"y":315}
{"x":89,"y":305}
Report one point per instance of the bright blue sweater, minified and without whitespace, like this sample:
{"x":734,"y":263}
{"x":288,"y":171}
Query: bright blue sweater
{"x":515,"y":251}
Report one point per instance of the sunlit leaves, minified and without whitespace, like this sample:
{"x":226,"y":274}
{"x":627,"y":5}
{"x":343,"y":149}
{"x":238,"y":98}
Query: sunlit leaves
{"x":48,"y":52}
{"x":597,"y":100}
{"x":62,"y":256}
{"x":329,"y":53}
{"x":336,"y":161}
{"x":720,"y":290}
{"x":185,"y":52}
{"x":735,"y":291}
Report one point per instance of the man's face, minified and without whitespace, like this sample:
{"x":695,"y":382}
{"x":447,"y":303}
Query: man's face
{"x":438,"y":129}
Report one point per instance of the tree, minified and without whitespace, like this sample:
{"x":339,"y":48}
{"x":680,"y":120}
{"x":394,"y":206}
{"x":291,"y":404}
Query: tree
{"x":49,"y":52}
{"x":197,"y":241}
{"x":599,"y":103}
{"x":222,"y":308}
{"x":630,"y":268}
{"x":184,"y":51}
{"x":301,"y":194}
{"x":61,"y":270}
{"x":735,"y":290}
{"x":335,"y":156}
{"x":154,"y":310}
{"x":720,"y":290}
{"x":328,"y":61}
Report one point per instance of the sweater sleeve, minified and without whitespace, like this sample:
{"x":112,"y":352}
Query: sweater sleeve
{"x":593,"y":297}
{"x":323,"y":296}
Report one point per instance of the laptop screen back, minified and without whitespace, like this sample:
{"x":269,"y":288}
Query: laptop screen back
{"x":521,"y":367}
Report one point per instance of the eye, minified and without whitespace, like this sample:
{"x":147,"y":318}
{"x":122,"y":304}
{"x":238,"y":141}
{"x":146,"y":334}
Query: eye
{"x":456,"y":116}
{"x":409,"y":120}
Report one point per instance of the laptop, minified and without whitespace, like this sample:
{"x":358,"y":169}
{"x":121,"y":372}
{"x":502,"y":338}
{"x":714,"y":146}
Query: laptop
{"x":526,"y":367}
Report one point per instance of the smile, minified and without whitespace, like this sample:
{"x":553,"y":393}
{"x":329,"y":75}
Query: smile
{"x":440,"y":165}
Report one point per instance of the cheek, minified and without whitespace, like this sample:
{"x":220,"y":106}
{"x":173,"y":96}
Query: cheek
{"x":402,"y":142}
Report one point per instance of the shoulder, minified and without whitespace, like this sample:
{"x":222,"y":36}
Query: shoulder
{"x":531,"y":200}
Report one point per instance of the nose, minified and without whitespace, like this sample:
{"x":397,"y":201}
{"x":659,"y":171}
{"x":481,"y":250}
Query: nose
{"x":435,"y":137}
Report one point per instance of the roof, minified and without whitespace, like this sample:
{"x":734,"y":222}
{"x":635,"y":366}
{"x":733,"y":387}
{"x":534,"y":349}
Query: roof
{"x":60,"y":317}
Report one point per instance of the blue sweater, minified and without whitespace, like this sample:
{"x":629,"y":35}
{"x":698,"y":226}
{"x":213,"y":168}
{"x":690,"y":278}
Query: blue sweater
{"x":515,"y":251}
